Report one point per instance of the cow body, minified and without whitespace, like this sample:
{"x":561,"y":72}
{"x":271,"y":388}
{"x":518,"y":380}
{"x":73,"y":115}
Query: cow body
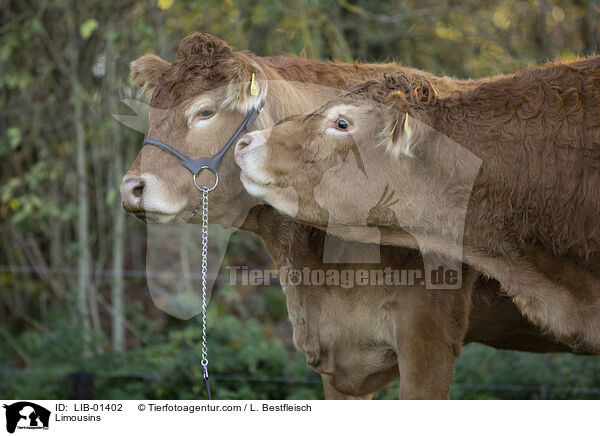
{"x":363,"y":338}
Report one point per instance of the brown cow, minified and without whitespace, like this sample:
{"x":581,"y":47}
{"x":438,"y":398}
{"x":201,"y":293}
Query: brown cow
{"x":532,"y":220}
{"x":197,"y":102}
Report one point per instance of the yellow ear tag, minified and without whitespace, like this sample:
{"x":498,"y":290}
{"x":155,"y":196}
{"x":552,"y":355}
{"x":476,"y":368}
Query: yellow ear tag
{"x":406,"y":128}
{"x":253,"y":87}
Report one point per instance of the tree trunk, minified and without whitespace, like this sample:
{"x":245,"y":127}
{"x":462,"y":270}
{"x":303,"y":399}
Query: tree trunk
{"x":590,"y":34}
{"x":118,"y":237}
{"x":83,"y":261}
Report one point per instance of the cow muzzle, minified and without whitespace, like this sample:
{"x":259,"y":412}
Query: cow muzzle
{"x":251,"y":155}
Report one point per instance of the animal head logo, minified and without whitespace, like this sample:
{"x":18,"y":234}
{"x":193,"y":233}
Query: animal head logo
{"x":26,"y":415}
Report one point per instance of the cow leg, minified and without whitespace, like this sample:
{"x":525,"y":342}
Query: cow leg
{"x":426,"y":370}
{"x":430,"y":328}
{"x":332,"y":394}
{"x":429,"y":332}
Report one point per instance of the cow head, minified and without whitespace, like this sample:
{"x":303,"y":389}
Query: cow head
{"x":333,"y":160}
{"x":197,"y":102}
{"x":287,"y":165}
{"x":368,"y":158}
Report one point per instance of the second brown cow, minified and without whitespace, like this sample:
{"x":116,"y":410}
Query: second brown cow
{"x":509,"y":168}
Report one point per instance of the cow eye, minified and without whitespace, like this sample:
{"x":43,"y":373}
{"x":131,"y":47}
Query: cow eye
{"x":204,"y":114}
{"x":201,"y":115}
{"x":342,"y":124}
{"x":339,"y":124}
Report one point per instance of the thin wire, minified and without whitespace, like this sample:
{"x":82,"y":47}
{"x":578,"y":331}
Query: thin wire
{"x":23,"y":269}
{"x":311,"y":380}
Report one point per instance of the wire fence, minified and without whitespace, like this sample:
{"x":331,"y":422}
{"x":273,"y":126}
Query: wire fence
{"x":543,"y":390}
{"x":67,"y":271}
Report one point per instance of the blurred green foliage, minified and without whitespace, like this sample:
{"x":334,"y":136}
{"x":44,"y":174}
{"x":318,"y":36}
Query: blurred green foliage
{"x":246,"y":362}
{"x":57,"y":56}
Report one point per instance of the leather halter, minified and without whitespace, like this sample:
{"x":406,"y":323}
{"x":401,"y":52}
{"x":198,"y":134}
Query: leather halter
{"x":195,"y":166}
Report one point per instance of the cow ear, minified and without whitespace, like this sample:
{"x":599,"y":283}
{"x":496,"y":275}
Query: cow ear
{"x":401,"y":125}
{"x":247,"y":84}
{"x":146,"y":72}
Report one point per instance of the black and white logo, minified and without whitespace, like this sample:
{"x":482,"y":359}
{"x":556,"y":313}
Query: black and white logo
{"x":26,"y":415}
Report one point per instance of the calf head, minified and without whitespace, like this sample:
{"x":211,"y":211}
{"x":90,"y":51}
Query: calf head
{"x":331,"y":161}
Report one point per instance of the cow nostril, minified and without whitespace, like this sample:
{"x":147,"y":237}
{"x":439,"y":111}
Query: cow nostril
{"x":132,"y":191}
{"x":243,"y":143}
{"x":138,"y":189}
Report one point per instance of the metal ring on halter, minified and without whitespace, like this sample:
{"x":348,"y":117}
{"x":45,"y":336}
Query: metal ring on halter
{"x":204,"y":187}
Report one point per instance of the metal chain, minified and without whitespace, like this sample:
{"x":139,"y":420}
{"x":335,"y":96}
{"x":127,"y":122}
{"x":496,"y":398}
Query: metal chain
{"x":204,"y":360}
{"x":203,"y":204}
